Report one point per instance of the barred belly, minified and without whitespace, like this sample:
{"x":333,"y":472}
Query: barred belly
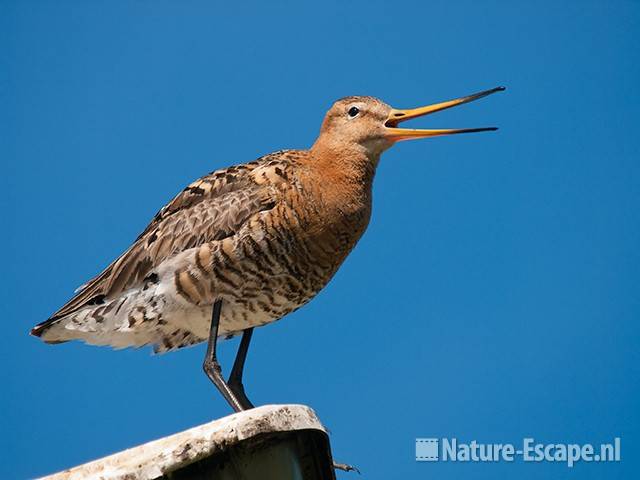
{"x":260,"y":276}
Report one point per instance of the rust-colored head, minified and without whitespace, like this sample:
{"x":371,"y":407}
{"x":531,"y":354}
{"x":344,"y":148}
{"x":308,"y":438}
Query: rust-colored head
{"x":371,"y":125}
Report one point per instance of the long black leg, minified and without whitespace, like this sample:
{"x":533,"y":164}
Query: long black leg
{"x":212,"y":367}
{"x":235,"y":379}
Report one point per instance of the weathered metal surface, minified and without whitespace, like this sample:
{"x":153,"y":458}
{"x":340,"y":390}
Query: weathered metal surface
{"x":248,"y":432}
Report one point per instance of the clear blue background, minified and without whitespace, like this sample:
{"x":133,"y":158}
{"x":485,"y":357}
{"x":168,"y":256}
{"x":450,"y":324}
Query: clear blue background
{"x":495,"y":295}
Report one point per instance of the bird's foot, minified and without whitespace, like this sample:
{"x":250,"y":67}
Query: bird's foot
{"x":345,"y":468}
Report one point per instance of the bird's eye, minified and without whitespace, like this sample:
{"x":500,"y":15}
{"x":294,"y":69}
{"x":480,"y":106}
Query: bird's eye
{"x":353,"y":111}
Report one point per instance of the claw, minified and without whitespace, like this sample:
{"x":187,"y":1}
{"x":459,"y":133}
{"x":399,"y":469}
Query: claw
{"x":345,"y":468}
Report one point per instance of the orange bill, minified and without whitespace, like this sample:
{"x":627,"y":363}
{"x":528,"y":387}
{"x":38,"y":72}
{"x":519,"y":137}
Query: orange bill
{"x":396,"y":116}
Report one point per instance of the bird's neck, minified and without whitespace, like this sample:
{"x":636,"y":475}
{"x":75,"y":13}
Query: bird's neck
{"x":340,"y":178}
{"x":347,"y":166}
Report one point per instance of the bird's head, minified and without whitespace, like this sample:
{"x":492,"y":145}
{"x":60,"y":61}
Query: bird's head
{"x":370,"y":125}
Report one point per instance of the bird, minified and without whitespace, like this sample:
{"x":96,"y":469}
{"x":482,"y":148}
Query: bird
{"x":246,"y":245}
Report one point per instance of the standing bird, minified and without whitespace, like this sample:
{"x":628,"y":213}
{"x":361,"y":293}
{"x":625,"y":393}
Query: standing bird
{"x":245,"y":245}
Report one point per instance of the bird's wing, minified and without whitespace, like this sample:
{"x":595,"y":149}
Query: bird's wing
{"x":211,"y":208}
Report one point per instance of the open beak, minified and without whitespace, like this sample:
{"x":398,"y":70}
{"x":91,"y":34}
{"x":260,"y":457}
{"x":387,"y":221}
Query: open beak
{"x":396,"y":116}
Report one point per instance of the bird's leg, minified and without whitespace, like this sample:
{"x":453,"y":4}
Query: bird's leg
{"x":212,"y":367}
{"x":235,"y":379}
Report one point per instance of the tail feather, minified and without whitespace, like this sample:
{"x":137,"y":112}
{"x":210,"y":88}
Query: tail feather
{"x":131,"y":320}
{"x":108,"y":323}
{"x":40,"y":329}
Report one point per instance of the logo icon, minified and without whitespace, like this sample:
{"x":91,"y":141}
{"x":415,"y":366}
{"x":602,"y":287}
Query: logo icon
{"x":426,"y":449}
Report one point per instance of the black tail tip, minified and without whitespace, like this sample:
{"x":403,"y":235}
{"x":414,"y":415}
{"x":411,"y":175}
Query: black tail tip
{"x":36,"y":332}
{"x":40,"y":328}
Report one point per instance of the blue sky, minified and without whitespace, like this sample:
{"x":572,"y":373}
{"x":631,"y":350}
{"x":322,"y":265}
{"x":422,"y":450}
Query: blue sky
{"x":494,"y":296}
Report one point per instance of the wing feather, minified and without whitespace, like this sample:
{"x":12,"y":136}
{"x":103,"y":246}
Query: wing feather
{"x":212,"y":208}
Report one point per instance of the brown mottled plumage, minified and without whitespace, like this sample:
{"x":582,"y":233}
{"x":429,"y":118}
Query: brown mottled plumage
{"x":263,"y":238}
